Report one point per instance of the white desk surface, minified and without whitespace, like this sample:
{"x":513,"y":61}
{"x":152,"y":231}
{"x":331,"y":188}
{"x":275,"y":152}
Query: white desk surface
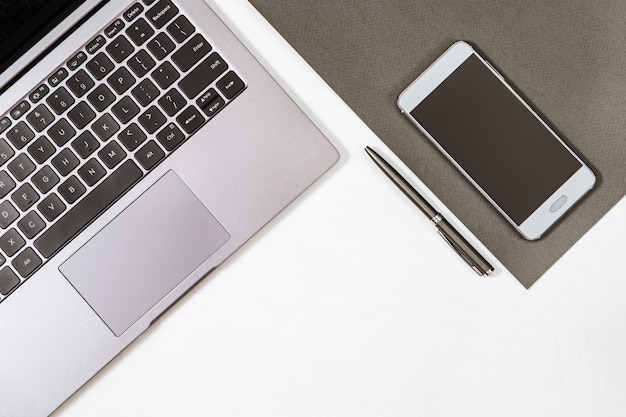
{"x":350,"y":304}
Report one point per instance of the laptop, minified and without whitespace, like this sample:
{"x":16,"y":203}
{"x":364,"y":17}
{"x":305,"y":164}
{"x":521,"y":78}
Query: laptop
{"x":141,"y":144}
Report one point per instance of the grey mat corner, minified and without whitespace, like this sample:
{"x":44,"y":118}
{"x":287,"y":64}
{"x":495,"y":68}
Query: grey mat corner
{"x":566,"y":57}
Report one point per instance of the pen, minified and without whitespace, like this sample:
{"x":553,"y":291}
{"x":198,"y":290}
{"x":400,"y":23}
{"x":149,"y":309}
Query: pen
{"x":445,"y":229}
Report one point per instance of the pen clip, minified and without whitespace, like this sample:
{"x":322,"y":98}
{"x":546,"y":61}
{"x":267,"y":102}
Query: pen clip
{"x":461,"y":253}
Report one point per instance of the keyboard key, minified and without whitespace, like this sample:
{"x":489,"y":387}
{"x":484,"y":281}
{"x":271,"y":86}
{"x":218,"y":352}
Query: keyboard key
{"x":100,"y":66}
{"x":170,"y":137}
{"x":5,"y":123}
{"x":152,"y":119}
{"x":190,"y":119}
{"x":141,"y":63}
{"x":56,"y":78}
{"x":105,"y":127}
{"x":230,"y":85}
{"x":105,"y":194}
{"x":26,"y":262}
{"x":11,"y":242}
{"x":31,"y":225}
{"x":91,"y":172}
{"x":149,"y":155}
{"x":125,"y":109}
{"x":145,"y":92}
{"x":165,"y":75}
{"x":95,"y":44}
{"x":61,"y":132}
{"x":40,"y":118}
{"x":6,"y":183}
{"x":45,"y":179}
{"x":8,"y":214}
{"x":51,"y":207}
{"x":114,"y":28}
{"x":121,"y":80}
{"x":19,"y":110}
{"x":172,"y":102}
{"x":6,"y":151}
{"x":71,"y":189}
{"x":21,"y":167}
{"x":120,"y":48}
{"x":65,"y":162}
{"x":25,"y":196}
{"x":20,"y":135}
{"x":132,"y":136}
{"x":80,"y":83}
{"x":213,"y":107}
{"x":134,"y":11}
{"x":180,"y":29}
{"x":39,"y":93}
{"x":101,"y":98}
{"x":203,"y":75}
{"x":139,"y":32}
{"x":85,"y":144}
{"x":81,"y":115}
{"x":207,"y":97}
{"x":161,"y":13}
{"x":77,"y":60}
{"x":191,"y":53}
{"x":8,"y":280}
{"x":112,"y":154}
{"x":161,"y":45}
{"x":60,"y":100}
{"x":41,"y":150}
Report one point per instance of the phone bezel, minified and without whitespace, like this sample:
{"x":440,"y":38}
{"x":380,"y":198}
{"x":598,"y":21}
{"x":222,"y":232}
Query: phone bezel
{"x":542,"y":218}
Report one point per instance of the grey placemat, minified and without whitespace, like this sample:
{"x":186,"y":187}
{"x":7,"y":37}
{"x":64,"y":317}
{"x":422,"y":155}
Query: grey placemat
{"x":568,"y":58}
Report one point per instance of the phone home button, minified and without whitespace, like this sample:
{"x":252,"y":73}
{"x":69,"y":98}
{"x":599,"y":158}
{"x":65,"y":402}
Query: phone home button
{"x":558,"y":204}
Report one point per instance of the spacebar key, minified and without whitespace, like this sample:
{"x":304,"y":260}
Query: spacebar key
{"x":88,"y":208}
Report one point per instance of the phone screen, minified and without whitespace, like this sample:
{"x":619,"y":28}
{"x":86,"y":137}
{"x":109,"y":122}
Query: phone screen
{"x":493,"y":136}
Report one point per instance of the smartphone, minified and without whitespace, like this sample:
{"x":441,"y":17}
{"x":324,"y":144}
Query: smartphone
{"x":467,"y":109}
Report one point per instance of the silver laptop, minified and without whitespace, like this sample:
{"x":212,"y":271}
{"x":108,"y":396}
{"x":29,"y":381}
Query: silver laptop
{"x":140,"y":145}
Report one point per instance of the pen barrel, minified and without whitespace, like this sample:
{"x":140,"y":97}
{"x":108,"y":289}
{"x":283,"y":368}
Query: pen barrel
{"x":402,"y":184}
{"x":464,"y":248}
{"x":417,"y":199}
{"x":449,"y":233}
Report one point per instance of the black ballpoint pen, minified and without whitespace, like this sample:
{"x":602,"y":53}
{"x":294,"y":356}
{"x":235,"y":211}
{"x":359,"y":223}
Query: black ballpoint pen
{"x":466,"y":251}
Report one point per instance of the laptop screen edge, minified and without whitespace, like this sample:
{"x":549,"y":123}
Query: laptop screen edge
{"x":48,"y":41}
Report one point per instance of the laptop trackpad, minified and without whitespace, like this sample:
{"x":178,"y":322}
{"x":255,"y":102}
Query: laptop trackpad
{"x":142,"y":254}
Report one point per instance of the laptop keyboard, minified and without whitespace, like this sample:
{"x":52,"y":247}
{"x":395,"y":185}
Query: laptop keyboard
{"x":85,"y":135}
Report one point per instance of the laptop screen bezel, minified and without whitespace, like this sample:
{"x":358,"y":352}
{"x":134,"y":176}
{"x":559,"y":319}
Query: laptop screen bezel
{"x":35,"y":28}
{"x":48,"y":36}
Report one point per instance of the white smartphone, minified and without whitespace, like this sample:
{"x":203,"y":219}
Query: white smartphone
{"x":466,"y":108}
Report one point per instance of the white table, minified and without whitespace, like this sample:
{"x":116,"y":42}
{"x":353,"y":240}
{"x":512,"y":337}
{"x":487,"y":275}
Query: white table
{"x":349,"y":304}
